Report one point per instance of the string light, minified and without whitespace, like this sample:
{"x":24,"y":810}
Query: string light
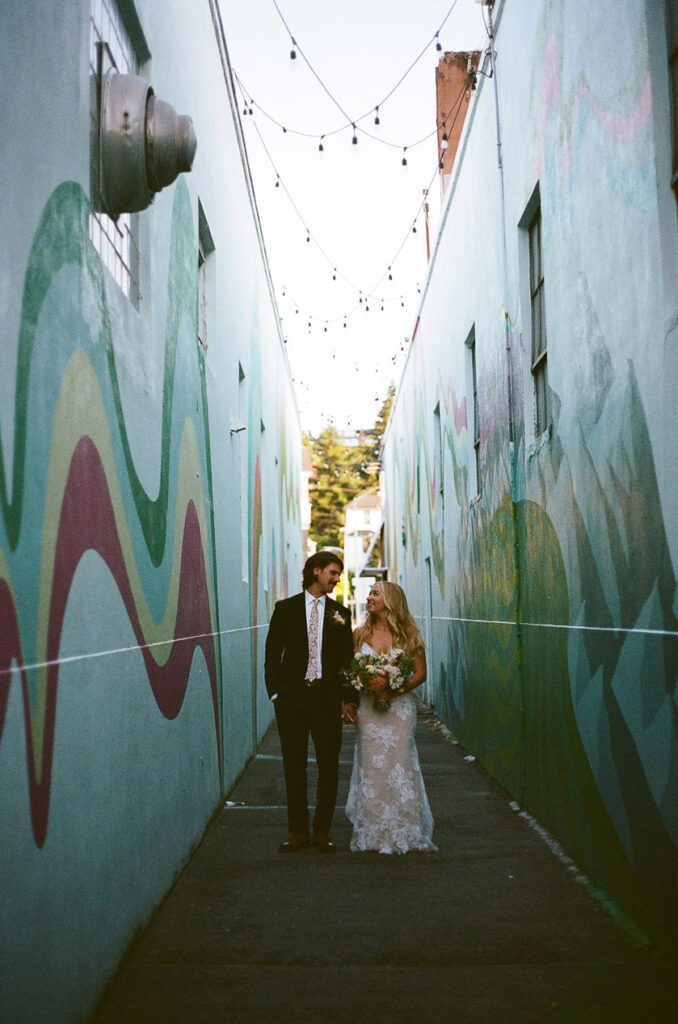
{"x":354,"y":125}
{"x":454,"y":113}
{"x":335,"y":101}
{"x":444,"y":143}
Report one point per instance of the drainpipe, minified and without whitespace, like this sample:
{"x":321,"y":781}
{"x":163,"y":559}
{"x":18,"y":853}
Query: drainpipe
{"x":511,"y":417}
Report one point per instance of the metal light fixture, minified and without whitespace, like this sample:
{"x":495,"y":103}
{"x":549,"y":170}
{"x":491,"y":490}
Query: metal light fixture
{"x":143,"y":144}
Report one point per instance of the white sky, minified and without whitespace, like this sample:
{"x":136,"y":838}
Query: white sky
{"x":358,"y":202}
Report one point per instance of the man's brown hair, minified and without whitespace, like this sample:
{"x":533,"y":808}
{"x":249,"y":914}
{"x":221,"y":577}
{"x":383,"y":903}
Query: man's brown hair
{"x":320,"y":560}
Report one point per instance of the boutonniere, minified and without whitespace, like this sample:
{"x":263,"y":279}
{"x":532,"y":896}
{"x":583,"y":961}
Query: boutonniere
{"x":339,"y":618}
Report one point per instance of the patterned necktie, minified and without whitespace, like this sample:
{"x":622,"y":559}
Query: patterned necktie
{"x":312,"y":670}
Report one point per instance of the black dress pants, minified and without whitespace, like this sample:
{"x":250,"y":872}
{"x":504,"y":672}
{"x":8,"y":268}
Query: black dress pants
{"x":309,"y":711}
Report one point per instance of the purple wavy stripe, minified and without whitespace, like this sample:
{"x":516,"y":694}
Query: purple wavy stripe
{"x":87,"y":521}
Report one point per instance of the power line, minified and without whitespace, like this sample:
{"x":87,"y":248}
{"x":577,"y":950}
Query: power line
{"x":350,"y":121}
{"x":310,"y":236}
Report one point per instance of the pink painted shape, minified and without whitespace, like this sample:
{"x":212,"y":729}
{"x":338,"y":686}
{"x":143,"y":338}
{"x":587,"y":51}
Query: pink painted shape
{"x":87,"y":521}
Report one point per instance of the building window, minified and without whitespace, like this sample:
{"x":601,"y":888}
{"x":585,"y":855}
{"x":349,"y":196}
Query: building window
{"x":243,"y":405}
{"x":116,"y":241}
{"x":542,"y":412}
{"x":472,"y":389}
{"x":206,"y":281}
{"x":438,"y":454}
{"x":672,"y":45}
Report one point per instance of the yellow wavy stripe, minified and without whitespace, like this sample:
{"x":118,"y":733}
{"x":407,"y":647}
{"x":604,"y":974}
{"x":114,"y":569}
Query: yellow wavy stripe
{"x":80,"y":411}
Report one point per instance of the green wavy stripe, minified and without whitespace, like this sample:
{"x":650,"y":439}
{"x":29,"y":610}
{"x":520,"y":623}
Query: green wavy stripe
{"x":64,"y":224}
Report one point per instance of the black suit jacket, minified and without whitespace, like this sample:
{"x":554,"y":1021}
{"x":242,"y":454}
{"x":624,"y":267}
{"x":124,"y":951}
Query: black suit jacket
{"x":287,"y":650}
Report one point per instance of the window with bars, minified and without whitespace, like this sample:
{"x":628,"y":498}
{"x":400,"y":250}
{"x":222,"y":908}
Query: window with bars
{"x":472,"y":379}
{"x":542,"y":412}
{"x":116,"y":241}
{"x":206,"y":280}
{"x":672,"y":46}
{"x":438,"y":454}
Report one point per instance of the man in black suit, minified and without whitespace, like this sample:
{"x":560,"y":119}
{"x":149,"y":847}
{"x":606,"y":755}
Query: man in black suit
{"x":309,"y":641}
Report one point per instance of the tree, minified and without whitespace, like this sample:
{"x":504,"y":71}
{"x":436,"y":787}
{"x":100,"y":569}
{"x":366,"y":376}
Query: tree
{"x":340,"y":472}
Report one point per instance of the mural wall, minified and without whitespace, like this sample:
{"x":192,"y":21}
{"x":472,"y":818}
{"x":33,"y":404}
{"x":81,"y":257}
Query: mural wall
{"x":149,"y":492}
{"x":542,"y":565}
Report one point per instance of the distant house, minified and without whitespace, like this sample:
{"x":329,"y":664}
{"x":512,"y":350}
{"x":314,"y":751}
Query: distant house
{"x":362,"y":523}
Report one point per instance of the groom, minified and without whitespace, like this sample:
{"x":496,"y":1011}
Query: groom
{"x":309,"y":641}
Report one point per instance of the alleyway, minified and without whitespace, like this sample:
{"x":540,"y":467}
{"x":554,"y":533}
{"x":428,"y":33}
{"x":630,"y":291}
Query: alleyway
{"x":492,"y":929}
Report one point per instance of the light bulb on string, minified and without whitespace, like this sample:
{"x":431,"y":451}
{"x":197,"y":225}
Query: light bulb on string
{"x":293,"y":55}
{"x":321,"y":148}
{"x":334,"y":275}
{"x":376,"y":117}
{"x":404,"y":159}
{"x":277,"y":181}
{"x":439,"y":46}
{"x":284,"y":130}
{"x":444,"y":141}
{"x":414,"y":228}
{"x":390,"y":275}
{"x":354,"y":140}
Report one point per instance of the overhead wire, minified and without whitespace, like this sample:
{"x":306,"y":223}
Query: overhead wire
{"x":310,"y":236}
{"x":354,"y":121}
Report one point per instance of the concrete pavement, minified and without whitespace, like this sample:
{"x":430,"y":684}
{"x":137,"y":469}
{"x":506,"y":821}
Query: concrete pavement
{"x":491,"y":929}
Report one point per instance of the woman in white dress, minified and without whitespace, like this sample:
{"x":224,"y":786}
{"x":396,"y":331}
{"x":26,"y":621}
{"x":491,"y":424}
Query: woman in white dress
{"x":387,"y":801}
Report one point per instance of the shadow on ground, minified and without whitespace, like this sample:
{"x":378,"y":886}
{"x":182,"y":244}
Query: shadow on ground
{"x":491,"y":929}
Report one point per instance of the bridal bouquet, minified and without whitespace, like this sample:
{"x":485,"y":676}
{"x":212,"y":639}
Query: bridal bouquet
{"x":367,"y":667}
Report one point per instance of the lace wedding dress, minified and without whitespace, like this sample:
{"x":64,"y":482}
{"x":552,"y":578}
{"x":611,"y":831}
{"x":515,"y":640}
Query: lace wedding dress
{"x":387,"y":802}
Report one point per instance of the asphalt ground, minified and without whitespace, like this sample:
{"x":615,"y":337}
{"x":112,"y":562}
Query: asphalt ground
{"x":494,"y":928}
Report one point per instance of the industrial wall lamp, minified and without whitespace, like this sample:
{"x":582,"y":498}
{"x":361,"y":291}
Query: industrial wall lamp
{"x":143,"y":144}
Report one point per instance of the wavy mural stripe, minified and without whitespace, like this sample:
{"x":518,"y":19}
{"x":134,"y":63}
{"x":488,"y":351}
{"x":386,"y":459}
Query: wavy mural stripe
{"x":561,"y":122}
{"x":87,"y":522}
{"x":80,"y":391}
{"x":75,"y":486}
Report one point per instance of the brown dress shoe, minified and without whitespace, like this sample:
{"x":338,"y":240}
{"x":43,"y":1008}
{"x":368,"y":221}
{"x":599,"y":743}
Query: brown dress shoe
{"x":324,"y":844}
{"x":296,"y":842}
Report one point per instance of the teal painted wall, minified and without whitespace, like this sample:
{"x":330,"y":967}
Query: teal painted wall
{"x":143,"y":542}
{"x":554,"y":638}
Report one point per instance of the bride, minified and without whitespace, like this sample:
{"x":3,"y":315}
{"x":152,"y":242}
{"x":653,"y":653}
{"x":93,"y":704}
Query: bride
{"x":387,"y":801}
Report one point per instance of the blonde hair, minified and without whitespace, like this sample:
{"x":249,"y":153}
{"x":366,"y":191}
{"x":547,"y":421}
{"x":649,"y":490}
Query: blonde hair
{"x":403,"y":628}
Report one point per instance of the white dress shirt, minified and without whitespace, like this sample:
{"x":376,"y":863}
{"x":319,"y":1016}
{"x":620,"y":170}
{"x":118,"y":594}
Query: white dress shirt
{"x":321,"y":618}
